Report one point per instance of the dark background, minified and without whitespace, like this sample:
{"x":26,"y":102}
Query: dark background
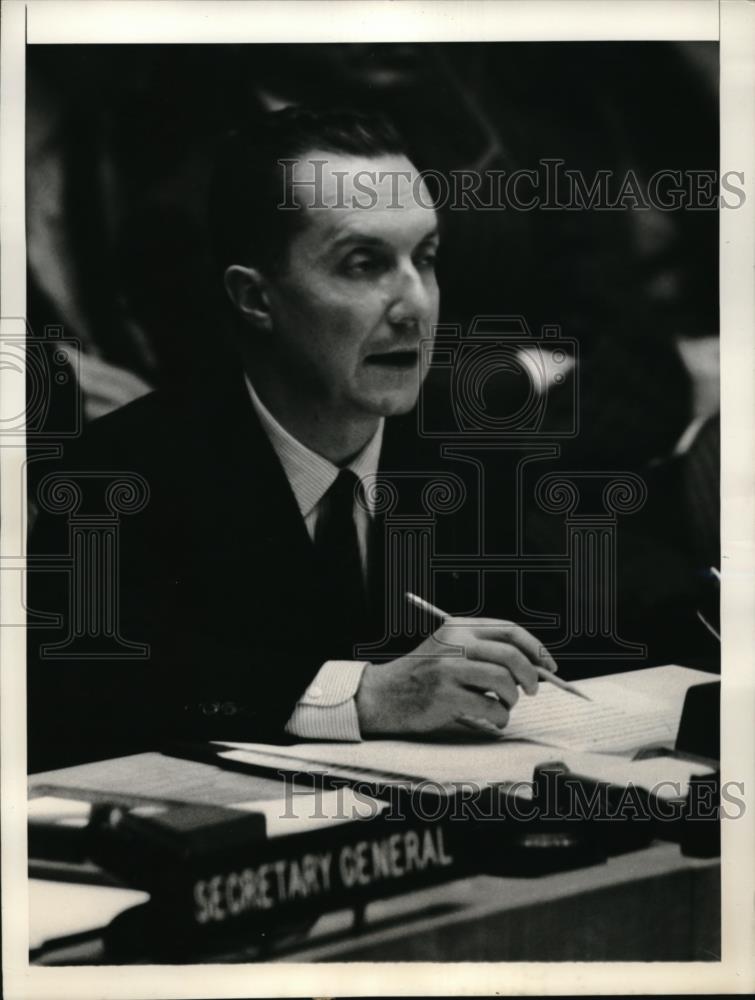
{"x":120,"y":142}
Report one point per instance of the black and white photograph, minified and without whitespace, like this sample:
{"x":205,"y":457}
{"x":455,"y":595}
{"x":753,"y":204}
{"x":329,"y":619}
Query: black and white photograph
{"x":382,"y":469}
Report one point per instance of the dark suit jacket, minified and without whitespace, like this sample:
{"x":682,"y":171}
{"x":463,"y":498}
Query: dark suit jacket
{"x":216,"y":576}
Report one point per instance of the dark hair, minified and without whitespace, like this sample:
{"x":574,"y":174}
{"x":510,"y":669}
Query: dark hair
{"x":247,"y":227}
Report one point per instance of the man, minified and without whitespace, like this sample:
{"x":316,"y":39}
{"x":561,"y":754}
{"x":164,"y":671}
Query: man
{"x":254,"y":569}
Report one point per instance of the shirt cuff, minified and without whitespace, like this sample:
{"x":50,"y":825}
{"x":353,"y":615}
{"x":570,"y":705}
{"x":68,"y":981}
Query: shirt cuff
{"x":327,"y":709}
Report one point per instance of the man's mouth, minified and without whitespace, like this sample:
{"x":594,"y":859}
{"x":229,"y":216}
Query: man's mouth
{"x":394,"y":359}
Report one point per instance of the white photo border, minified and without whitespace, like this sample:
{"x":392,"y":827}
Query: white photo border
{"x":732,"y":22}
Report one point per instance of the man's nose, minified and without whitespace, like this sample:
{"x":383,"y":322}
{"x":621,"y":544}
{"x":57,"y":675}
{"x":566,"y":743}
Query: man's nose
{"x":412,"y":299}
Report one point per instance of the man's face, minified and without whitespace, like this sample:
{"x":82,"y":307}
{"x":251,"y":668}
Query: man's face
{"x":358,"y":291}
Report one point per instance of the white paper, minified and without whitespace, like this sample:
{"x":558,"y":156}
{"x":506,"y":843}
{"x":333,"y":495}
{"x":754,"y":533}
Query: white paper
{"x":400,"y":761}
{"x":57,"y":909}
{"x":614,"y":720}
{"x":627,"y":711}
{"x":304,"y":811}
{"x":62,"y":812}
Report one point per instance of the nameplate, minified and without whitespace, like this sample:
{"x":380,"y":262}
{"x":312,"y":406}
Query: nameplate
{"x":377,"y":864}
{"x":267,"y":884}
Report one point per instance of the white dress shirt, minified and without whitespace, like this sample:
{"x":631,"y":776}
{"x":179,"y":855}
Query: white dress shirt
{"x":326,"y":710}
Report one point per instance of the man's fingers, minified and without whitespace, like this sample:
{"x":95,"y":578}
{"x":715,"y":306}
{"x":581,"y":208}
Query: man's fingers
{"x":480,"y":725}
{"x":473,"y":704}
{"x":515,"y":635}
{"x":486,"y":676}
{"x":504,"y":655}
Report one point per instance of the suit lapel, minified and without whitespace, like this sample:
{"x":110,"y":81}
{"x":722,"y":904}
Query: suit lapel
{"x":251,"y":553}
{"x":253,"y":540}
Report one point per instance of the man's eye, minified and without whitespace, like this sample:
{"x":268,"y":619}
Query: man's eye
{"x":362,"y":264}
{"x":427,"y":260}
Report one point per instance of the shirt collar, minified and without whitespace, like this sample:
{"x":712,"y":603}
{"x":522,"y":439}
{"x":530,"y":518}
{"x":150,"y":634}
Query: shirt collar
{"x":309,"y":474}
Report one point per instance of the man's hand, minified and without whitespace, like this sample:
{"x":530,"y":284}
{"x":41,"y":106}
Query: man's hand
{"x":439,"y":688}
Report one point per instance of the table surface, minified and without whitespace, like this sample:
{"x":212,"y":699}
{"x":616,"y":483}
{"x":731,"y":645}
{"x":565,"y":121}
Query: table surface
{"x":652,"y":904}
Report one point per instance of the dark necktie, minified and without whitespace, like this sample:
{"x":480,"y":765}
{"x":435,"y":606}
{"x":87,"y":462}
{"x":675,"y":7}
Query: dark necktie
{"x":337,"y":546}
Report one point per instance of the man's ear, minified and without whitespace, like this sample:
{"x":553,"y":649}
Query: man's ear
{"x":247,"y":290}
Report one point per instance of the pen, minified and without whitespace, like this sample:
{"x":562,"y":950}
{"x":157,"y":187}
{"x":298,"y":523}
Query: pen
{"x":542,"y":673}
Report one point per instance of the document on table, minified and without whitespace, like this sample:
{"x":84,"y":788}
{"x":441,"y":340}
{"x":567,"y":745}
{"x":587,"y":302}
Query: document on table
{"x":397,"y":761}
{"x":614,"y":720}
{"x":451,"y":764}
{"x":627,"y":711}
